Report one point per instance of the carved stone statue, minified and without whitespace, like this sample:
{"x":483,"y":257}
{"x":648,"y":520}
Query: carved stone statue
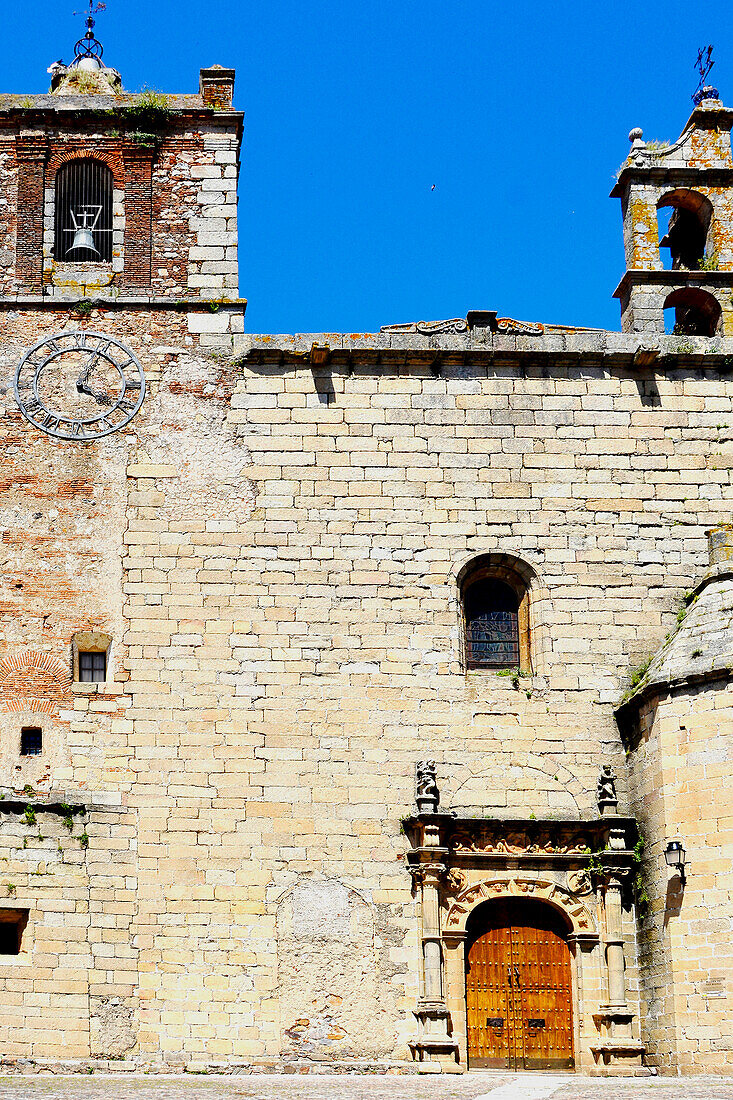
{"x":427,"y":795}
{"x":607,"y":797}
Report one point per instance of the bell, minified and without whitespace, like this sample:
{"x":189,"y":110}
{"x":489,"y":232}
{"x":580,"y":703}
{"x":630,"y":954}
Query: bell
{"x":84,"y":238}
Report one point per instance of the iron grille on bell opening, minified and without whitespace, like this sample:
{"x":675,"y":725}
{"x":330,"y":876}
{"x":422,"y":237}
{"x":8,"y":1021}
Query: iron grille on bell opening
{"x":83,"y":212}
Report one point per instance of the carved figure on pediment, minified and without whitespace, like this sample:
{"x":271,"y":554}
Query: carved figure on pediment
{"x":579,"y":882}
{"x":516,"y":841}
{"x":519,"y":328}
{"x":462,"y":842}
{"x":607,"y":797}
{"x":453,"y":326}
{"x":455,"y":881}
{"x":579,"y":844}
{"x":427,"y":794}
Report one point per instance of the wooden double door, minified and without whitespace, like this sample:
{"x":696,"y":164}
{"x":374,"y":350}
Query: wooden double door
{"x":518,"y":988}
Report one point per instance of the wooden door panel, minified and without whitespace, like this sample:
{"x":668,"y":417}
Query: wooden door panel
{"x":542,"y":969}
{"x":519,"y":992}
{"x":489,"y":1001}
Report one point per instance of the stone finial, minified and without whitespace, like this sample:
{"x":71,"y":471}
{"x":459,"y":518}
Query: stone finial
{"x":607,"y":797}
{"x":427,"y":795}
{"x":636,"y":134}
{"x":216,"y":85}
{"x":720,"y":544}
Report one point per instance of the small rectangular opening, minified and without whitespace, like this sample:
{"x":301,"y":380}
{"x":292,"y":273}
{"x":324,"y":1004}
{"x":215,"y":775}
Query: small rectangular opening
{"x":12,"y":926}
{"x":92,"y":668}
{"x":31,"y":741}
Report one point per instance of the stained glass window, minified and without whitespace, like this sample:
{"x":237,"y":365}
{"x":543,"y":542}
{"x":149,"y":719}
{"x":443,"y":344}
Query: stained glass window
{"x":492,"y":624}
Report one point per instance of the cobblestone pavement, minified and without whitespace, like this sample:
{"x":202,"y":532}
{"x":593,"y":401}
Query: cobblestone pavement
{"x":476,"y":1086}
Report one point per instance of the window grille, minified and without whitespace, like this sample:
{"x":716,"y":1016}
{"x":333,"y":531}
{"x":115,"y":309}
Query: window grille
{"x":83,"y":212}
{"x":491,"y":610}
{"x":92,"y":668}
{"x":31,"y":741}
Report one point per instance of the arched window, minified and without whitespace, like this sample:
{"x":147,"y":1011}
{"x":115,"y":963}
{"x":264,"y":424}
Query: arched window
{"x":83,"y":212}
{"x":686,"y":234}
{"x":696,"y":313}
{"x":495,"y":602}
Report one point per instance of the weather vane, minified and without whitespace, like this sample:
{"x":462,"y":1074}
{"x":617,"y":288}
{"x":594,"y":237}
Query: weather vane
{"x":89,"y":46}
{"x":703,"y":65}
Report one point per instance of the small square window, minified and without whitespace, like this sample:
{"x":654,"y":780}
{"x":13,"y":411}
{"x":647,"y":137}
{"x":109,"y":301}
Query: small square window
{"x":12,"y":927}
{"x":92,"y":668}
{"x":31,"y":741}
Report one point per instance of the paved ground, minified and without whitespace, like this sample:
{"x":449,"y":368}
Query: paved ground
{"x":476,"y":1086}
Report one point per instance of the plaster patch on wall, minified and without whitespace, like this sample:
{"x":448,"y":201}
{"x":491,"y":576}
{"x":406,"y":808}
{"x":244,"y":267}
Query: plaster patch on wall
{"x":328,"y":974}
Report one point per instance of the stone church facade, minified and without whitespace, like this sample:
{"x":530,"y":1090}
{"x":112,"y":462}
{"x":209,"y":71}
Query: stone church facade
{"x":366,"y":699}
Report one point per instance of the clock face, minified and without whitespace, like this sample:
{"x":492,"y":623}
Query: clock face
{"x":79,"y":385}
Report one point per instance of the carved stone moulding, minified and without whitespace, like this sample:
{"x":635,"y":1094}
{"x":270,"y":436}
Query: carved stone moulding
{"x":521,"y":838}
{"x":580,"y":918}
{"x":476,"y":319}
{"x":453,"y":327}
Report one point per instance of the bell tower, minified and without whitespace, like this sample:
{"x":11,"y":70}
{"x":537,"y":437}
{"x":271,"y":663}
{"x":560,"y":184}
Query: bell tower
{"x":123,"y":198}
{"x":687,"y":267}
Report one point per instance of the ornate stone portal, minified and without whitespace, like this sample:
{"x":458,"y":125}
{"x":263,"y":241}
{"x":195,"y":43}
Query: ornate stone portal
{"x":585,"y":869}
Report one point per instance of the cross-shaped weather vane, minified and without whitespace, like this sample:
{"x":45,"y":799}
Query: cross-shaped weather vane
{"x":703,"y":65}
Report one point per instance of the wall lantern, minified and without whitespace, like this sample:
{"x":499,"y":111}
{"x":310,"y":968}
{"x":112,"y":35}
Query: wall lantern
{"x":676,"y":856}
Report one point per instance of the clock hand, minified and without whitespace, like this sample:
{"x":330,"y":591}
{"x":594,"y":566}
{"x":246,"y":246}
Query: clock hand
{"x":100,"y":398}
{"x":87,"y":370}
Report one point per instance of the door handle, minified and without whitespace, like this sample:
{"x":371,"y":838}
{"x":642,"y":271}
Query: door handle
{"x":516,"y":974}
{"x":509,"y":974}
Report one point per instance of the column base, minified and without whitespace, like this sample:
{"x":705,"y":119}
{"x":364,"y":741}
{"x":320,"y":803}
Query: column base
{"x":616,"y":1046}
{"x":434,"y":1049}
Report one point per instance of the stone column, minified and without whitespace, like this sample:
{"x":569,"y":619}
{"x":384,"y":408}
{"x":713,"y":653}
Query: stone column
{"x":434,"y":1047}
{"x":432,"y":952}
{"x":615,"y":945}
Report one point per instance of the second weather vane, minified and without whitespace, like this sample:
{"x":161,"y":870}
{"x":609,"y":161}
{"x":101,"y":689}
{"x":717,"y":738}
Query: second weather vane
{"x":89,"y":45}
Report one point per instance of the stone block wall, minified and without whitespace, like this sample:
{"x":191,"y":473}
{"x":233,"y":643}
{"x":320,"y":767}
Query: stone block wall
{"x":680,"y":776}
{"x":71,"y":991}
{"x":284,"y":545}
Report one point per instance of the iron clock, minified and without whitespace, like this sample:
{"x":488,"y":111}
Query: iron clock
{"x":79,"y":385}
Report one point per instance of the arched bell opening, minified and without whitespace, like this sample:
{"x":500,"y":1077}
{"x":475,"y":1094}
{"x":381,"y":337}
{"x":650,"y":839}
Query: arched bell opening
{"x":691,"y":311}
{"x":684,"y":218}
{"x":83,"y":212}
{"x":519,"y":986}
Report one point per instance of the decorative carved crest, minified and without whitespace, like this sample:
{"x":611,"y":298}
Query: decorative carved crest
{"x":453,"y":327}
{"x":507,"y":326}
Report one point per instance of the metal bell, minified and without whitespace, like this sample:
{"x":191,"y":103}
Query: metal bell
{"x":84,"y":238}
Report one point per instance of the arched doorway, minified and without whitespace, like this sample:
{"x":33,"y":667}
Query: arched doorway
{"x":518,"y":987}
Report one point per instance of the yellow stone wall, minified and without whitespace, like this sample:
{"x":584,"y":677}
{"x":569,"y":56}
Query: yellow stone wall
{"x":287,"y":624}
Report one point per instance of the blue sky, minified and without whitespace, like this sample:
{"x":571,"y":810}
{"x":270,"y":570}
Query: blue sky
{"x":406,"y":160}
